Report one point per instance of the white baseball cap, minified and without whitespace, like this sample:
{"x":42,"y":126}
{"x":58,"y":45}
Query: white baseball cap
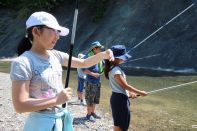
{"x":80,"y":55}
{"x":44,"y":18}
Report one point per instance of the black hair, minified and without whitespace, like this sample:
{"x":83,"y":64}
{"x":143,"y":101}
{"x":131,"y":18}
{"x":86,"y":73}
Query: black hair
{"x":108,"y":67}
{"x":25,"y":43}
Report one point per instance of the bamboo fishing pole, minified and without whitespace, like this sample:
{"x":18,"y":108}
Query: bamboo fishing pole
{"x":71,"y":47}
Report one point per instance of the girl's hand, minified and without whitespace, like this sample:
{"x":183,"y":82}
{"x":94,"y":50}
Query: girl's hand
{"x":64,"y":96}
{"x":96,"y":75}
{"x":143,"y":93}
{"x":132,"y":95}
{"x":109,"y":55}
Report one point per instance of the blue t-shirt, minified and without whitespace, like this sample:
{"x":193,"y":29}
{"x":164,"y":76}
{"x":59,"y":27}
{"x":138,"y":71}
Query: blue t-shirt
{"x":95,"y":69}
{"x":93,"y":79}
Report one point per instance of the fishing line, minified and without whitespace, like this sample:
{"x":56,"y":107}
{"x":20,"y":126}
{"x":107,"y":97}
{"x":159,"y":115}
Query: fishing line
{"x":171,"y":87}
{"x":163,"y":25}
{"x":145,"y":57}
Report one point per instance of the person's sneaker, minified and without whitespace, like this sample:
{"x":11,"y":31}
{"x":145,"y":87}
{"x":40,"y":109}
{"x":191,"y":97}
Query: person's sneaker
{"x":83,"y":103}
{"x":95,"y":116}
{"x":90,"y":118}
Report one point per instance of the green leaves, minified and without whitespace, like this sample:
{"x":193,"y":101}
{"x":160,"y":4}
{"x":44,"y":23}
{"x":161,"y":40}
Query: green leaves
{"x":98,"y":8}
{"x":28,"y":6}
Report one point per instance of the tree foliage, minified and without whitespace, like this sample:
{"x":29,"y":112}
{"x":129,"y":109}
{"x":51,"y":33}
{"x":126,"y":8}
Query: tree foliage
{"x":32,"y":4}
{"x":98,"y":8}
{"x":25,"y":7}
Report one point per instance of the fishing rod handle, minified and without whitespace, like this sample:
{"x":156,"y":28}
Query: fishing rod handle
{"x":137,"y":96}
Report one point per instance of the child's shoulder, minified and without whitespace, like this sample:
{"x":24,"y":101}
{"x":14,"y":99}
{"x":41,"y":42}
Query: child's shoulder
{"x":116,"y":69}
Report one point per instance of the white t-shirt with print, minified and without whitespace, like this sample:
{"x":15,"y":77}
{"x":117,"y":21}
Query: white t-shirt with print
{"x":80,"y":73}
{"x":45,"y":75}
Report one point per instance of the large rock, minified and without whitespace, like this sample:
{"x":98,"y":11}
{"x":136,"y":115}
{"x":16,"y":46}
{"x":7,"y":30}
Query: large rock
{"x":125,"y":22}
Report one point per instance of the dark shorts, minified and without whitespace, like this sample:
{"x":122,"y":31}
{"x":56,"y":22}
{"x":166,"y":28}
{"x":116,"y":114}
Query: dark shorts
{"x":120,"y":106}
{"x":92,"y":93}
{"x":81,"y":84}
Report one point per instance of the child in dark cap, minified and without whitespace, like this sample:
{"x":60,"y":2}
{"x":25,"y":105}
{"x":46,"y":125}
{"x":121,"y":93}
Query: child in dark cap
{"x":121,"y":90}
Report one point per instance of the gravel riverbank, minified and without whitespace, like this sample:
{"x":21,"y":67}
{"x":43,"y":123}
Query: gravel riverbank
{"x":12,"y":121}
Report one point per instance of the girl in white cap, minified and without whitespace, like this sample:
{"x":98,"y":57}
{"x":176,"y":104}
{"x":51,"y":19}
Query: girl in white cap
{"x":37,"y":75}
{"x":119,"y":100}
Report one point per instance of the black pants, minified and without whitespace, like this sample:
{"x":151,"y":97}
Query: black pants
{"x":120,"y":106}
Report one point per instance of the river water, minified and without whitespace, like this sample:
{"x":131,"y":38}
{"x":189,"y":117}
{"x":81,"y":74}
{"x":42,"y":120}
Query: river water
{"x":169,"y":110}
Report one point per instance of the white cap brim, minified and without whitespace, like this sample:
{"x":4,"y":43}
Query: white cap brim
{"x":63,"y":30}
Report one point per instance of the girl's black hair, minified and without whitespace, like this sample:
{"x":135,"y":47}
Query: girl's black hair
{"x":26,"y":43}
{"x":108,"y":66}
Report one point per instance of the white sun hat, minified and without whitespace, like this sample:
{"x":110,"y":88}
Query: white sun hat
{"x":44,"y":18}
{"x":80,"y":55}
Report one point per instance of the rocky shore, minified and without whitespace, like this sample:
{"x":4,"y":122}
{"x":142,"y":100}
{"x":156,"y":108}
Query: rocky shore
{"x":12,"y":121}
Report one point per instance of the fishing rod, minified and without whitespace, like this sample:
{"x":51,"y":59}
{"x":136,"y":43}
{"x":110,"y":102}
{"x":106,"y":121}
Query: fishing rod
{"x":71,"y":47}
{"x":164,"y":25}
{"x":171,"y":87}
{"x":143,"y":58}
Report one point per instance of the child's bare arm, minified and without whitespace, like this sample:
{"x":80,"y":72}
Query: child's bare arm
{"x":123,"y":83}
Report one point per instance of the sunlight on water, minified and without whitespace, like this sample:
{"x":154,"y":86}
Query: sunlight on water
{"x":194,"y":126}
{"x":169,"y":110}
